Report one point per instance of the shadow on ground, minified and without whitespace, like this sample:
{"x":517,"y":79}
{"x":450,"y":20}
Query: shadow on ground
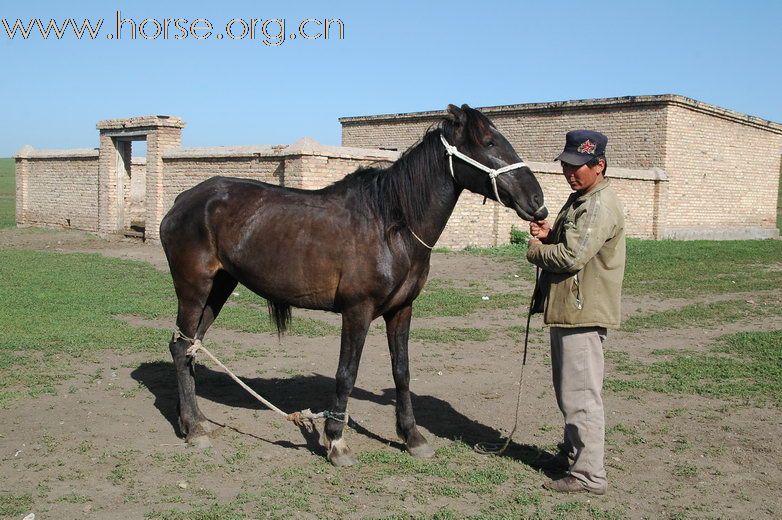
{"x":296,"y":393}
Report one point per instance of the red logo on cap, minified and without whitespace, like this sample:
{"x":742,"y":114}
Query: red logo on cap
{"x":587,"y":147}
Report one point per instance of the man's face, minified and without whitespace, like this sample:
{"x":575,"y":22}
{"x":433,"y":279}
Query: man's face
{"x":583,"y":178}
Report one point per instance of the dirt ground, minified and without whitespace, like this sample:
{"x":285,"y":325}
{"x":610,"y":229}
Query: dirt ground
{"x":669,"y":456}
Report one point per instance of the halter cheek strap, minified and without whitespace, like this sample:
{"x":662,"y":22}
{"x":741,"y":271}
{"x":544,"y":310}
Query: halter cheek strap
{"x":493,"y":172}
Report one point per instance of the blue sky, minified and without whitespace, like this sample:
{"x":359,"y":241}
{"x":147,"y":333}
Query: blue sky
{"x":395,"y":57}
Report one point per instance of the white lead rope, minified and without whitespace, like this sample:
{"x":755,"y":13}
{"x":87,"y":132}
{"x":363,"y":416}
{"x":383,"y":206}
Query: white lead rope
{"x":296,"y":417}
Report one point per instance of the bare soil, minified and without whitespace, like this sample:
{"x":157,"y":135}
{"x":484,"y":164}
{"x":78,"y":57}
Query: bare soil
{"x":106,"y":445}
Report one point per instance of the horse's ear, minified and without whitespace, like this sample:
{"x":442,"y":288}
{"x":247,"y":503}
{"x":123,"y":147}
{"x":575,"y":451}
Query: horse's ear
{"x":456,"y":114}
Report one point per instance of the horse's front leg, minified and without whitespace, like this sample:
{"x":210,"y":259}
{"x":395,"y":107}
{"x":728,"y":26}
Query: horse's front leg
{"x":355,"y":324}
{"x":398,"y":331}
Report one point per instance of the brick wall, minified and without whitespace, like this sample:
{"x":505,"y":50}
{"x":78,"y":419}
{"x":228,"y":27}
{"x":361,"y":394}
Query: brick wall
{"x":698,"y":146}
{"x":637,"y":137}
{"x":309,"y":165}
{"x":682,"y":168}
{"x":136,"y":192}
{"x":724,"y":176}
{"x":57,"y":188}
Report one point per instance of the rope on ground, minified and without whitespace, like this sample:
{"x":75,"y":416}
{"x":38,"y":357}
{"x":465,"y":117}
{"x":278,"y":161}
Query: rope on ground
{"x":297,"y":418}
{"x":498,"y":448}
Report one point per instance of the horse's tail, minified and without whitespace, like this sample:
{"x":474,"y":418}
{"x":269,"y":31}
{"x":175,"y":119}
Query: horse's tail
{"x":280,"y":315}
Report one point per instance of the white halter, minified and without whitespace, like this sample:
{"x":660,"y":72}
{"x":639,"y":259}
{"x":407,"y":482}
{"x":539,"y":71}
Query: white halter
{"x":493,"y":173}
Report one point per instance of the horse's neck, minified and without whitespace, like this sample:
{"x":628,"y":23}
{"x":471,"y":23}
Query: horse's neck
{"x":442,"y":201}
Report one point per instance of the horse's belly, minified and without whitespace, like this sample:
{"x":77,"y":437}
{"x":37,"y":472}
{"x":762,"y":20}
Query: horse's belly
{"x":292,"y":283}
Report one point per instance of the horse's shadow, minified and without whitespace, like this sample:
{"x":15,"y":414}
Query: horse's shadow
{"x":315,"y":391}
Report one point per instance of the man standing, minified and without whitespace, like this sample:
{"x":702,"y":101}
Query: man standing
{"x":582,"y":257}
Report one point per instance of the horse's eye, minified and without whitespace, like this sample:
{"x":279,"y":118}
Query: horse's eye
{"x":490,"y":144}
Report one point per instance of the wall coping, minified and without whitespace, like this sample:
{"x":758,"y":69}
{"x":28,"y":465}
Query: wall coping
{"x":140,"y":122}
{"x":650,"y":174}
{"x":28,"y":152}
{"x":586,"y":104}
{"x":308,"y":146}
{"x":304,"y":146}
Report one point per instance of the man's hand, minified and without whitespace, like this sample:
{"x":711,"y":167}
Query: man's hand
{"x":539,"y":229}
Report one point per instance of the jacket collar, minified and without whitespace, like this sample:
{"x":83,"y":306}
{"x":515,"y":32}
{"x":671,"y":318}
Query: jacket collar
{"x":600,"y":186}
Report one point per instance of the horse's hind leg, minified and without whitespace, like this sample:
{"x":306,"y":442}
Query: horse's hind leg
{"x":223,"y":285}
{"x":398,"y":332}
{"x":355,"y":324}
{"x":200,"y":300}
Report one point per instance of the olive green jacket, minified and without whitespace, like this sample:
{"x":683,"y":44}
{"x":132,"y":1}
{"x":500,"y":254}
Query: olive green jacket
{"x":583,"y":262}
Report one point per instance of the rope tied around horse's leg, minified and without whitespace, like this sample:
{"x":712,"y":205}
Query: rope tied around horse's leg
{"x":297,"y":418}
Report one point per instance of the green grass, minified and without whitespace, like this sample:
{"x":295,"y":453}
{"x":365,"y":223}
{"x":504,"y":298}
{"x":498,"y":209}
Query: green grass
{"x":452,"y":335}
{"x":7,"y":193}
{"x":680,"y":267}
{"x":59,"y":306}
{"x":13,"y":506}
{"x":704,"y":314}
{"x":687,"y":268}
{"x":746,"y":365}
{"x":446,"y":301}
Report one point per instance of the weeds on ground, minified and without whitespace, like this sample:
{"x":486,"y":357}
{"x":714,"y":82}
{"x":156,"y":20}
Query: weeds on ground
{"x":704,"y":314}
{"x":746,"y":365}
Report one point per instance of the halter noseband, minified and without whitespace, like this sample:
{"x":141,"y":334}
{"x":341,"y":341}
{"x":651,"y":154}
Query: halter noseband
{"x":493,"y":172}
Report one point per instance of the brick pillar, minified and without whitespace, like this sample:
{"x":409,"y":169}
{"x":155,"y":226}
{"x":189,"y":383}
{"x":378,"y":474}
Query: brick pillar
{"x":294,"y":170}
{"x":107,"y":185}
{"x":660,"y":210}
{"x":158,"y":141}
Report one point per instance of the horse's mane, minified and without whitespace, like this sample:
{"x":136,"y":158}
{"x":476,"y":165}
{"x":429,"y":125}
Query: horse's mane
{"x":400,"y":193}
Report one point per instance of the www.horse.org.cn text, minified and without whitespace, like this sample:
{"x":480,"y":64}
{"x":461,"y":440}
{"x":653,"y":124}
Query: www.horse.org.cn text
{"x":271,"y":32}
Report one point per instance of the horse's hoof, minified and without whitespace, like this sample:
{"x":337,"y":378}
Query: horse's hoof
{"x":201,"y":442}
{"x":343,"y":459}
{"x":422,"y":451}
{"x":339,"y":454}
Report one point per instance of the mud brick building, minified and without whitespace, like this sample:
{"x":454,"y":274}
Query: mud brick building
{"x":684,"y":169}
{"x":669,"y":159}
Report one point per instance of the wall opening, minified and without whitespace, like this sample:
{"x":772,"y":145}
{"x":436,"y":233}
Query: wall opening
{"x":131,"y":185}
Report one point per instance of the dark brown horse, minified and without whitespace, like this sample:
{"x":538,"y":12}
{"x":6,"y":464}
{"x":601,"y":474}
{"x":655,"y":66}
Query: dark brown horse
{"x":355,"y":247}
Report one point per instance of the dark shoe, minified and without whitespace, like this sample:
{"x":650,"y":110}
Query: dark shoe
{"x":571,"y":484}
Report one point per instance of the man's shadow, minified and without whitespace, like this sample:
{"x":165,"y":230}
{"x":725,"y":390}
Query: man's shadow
{"x":315,"y":392}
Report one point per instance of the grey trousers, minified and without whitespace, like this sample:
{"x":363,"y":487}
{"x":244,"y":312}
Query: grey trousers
{"x":577,"y":370}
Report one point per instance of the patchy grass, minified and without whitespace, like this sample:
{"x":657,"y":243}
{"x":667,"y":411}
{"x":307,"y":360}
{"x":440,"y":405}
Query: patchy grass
{"x":15,"y":505}
{"x":516,"y":253}
{"x":702,"y":314}
{"x":253,"y":319}
{"x":58,"y":306}
{"x":453,"y":335}
{"x":746,"y":365}
{"x":688,"y":268}
{"x":447,"y":301}
{"x":7,"y":192}
{"x":681,"y":267}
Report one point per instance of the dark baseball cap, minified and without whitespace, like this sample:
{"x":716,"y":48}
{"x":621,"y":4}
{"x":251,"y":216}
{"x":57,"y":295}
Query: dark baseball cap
{"x":581,"y":146}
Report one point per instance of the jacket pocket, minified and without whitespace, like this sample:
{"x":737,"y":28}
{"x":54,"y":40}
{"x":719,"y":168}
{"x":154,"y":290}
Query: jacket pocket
{"x":575,"y":290}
